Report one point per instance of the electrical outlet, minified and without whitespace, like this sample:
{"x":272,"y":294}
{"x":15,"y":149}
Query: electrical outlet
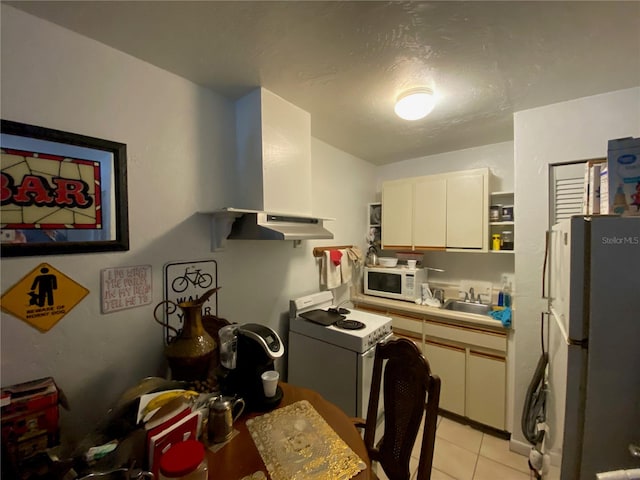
{"x":507,"y":279}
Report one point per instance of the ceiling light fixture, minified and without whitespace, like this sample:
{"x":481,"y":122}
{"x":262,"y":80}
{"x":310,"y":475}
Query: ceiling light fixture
{"x":415,"y":104}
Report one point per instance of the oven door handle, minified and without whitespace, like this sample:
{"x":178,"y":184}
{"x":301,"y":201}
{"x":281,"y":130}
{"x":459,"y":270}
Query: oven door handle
{"x":371,"y":353}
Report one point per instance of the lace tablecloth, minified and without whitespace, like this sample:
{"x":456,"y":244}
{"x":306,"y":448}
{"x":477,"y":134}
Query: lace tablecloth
{"x":296,"y":443}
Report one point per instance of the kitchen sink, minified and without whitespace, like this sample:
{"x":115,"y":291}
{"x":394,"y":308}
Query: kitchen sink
{"x":467,"y":307}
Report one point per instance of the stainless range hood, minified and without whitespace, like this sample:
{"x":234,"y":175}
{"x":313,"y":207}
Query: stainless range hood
{"x":240,"y":224}
{"x":271,"y":226}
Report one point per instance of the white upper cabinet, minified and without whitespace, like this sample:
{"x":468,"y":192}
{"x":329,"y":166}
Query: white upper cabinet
{"x":430,"y":213}
{"x":397,"y":214}
{"x":467,"y":211}
{"x":447,"y":211}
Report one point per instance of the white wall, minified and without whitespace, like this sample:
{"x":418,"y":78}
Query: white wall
{"x":498,"y":157}
{"x":180,"y":138}
{"x":559,"y":133}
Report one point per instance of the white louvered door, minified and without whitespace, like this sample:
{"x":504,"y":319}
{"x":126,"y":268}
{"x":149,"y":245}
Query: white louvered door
{"x":566,"y":191}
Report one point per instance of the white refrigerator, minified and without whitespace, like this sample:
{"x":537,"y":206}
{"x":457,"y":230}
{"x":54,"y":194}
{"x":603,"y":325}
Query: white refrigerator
{"x":593,"y":404}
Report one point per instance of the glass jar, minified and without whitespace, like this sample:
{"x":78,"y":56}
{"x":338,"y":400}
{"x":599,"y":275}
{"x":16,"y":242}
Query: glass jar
{"x":495,"y":212}
{"x":184,"y":461}
{"x":507,"y":213}
{"x":507,"y":240}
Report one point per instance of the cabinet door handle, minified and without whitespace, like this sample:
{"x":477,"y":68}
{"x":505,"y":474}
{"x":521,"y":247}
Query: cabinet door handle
{"x":429,"y":321}
{"x":487,"y":355}
{"x":408,"y":317}
{"x":443,"y":345}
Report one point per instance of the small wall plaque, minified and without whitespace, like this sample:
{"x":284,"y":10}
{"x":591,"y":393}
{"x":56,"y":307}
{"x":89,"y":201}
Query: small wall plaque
{"x":125,"y":287}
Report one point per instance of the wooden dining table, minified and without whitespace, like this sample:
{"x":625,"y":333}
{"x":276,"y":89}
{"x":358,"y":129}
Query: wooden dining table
{"x":240,"y":457}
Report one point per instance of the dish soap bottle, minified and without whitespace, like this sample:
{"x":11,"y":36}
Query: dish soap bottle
{"x":507,"y":295}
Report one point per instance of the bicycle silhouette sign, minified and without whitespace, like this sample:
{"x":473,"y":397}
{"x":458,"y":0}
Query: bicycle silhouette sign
{"x":187,"y":281}
{"x":192,"y":276}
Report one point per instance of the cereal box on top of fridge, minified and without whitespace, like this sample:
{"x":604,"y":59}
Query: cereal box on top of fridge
{"x":623,"y":171}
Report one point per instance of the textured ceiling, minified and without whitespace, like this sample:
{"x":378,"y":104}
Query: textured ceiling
{"x":345,"y":62}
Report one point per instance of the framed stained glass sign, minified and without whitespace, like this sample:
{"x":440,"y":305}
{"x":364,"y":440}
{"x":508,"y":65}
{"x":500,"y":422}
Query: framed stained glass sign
{"x":61,"y":192}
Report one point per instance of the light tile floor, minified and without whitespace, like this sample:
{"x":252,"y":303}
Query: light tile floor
{"x":463,"y":453}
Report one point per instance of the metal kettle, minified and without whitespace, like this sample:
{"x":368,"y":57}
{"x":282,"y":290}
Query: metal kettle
{"x":222,"y":414}
{"x":372,"y":256}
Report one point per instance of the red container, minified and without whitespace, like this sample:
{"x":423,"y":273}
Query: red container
{"x":185,"y":460}
{"x":29,"y":419}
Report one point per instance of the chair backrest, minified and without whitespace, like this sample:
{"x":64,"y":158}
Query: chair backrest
{"x":410,"y":390}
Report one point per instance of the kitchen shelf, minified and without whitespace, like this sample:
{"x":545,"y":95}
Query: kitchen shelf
{"x":374,"y":223}
{"x":501,"y":198}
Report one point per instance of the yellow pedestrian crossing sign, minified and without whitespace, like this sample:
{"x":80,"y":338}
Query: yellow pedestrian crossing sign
{"x":43,"y":297}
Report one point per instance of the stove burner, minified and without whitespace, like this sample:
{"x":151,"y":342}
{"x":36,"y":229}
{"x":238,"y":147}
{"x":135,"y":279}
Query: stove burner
{"x":341,"y":311}
{"x":349,"y":324}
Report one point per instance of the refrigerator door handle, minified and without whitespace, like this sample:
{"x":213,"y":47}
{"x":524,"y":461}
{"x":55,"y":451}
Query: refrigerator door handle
{"x":578,"y":343}
{"x":634,"y":450}
{"x":544,"y":265}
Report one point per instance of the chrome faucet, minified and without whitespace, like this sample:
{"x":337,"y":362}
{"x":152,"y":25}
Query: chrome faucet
{"x":438,"y":294}
{"x":472,"y":297}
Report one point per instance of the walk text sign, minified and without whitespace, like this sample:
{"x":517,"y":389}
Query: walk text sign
{"x":43,"y":297}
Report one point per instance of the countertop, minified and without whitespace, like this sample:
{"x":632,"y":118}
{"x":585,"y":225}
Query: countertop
{"x":449,"y":316}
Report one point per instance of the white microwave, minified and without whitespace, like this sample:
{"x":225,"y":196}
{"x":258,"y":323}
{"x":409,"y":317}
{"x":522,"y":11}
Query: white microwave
{"x":398,"y":283}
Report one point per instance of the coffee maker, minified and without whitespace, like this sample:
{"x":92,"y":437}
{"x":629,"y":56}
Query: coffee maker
{"x":258,"y":347}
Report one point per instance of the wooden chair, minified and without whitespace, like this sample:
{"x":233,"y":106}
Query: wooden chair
{"x":409,"y":391}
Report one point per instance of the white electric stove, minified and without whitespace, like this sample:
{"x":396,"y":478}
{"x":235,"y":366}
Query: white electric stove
{"x":335,"y":360}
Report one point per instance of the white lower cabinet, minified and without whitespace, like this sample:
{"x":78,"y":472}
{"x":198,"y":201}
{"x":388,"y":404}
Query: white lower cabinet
{"x":448,"y":362}
{"x":406,"y":324}
{"x":473,"y":382}
{"x":470,"y":361}
{"x":471,"y":364}
{"x":486,"y":375}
